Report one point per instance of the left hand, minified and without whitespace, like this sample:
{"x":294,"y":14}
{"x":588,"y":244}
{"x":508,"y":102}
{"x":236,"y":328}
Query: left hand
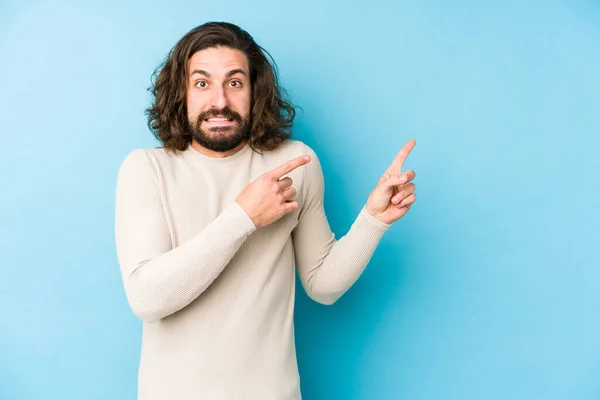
{"x":394,"y":195}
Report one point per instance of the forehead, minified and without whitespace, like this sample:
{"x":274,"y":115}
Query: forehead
{"x":218,"y":60}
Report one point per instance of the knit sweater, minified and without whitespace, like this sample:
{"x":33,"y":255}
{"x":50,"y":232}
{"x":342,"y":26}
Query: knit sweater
{"x":214,"y":292}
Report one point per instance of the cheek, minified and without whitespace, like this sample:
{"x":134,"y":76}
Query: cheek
{"x":194,"y":104}
{"x":244,"y":102}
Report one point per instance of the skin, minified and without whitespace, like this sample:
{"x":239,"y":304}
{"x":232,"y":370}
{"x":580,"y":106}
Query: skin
{"x":394,"y":194}
{"x":220,"y":77}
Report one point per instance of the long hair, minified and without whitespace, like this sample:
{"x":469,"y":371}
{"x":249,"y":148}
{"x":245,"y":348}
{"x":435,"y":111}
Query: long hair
{"x":271,"y":113}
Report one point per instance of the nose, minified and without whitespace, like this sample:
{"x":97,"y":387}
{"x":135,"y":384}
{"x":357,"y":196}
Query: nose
{"x":219,"y":98}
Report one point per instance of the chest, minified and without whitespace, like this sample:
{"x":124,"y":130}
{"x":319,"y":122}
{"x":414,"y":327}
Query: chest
{"x":195,"y":197}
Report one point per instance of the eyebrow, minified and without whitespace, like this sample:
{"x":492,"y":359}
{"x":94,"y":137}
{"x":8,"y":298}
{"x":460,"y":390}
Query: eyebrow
{"x":229,"y":74}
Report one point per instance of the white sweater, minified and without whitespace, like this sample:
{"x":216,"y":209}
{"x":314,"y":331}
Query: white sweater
{"x":216,"y":294}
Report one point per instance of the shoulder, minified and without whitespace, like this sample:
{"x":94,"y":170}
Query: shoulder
{"x":148,"y":158}
{"x":144,"y":165}
{"x":292,"y":149}
{"x":309,"y":177}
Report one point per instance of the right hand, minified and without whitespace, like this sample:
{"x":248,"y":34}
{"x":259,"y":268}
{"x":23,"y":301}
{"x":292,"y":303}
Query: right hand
{"x":268,"y":197}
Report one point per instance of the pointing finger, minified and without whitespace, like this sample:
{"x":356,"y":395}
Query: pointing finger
{"x":409,"y":175}
{"x":402,"y":155}
{"x":288,"y":167}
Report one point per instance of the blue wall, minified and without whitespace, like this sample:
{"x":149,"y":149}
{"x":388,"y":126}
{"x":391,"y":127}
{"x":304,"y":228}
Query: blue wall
{"x":487,"y":289}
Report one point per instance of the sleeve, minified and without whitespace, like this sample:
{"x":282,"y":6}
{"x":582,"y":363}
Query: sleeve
{"x":328,"y":267}
{"x":158,"y":279}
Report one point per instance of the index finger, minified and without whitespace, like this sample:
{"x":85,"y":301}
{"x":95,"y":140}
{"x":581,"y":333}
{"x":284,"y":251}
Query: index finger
{"x":289,"y":166}
{"x":403,"y":154}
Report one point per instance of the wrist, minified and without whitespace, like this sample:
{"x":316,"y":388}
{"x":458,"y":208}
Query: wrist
{"x":375,"y":220}
{"x":369,"y":210}
{"x":377,"y":215}
{"x":372,"y":212}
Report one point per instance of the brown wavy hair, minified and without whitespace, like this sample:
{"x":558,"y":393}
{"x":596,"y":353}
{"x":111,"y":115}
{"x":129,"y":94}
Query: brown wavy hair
{"x":271,"y":114}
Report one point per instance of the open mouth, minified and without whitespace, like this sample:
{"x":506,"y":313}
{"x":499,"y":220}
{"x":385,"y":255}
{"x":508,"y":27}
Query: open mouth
{"x":219,"y":121}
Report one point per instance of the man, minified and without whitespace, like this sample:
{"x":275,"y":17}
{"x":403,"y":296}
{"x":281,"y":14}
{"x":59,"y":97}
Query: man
{"x":211,"y":226}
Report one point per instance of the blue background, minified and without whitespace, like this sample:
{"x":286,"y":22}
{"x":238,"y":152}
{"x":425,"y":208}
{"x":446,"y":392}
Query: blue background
{"x":487,"y":289}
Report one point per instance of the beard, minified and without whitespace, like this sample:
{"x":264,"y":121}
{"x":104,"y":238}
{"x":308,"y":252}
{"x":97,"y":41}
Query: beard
{"x":220,"y":139}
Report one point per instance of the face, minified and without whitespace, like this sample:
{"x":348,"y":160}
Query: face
{"x":218,"y":98}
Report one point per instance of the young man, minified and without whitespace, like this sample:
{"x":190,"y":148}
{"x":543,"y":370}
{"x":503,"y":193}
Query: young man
{"x":211,"y":226}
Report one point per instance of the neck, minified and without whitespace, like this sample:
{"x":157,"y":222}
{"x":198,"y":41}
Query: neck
{"x":217,"y":154}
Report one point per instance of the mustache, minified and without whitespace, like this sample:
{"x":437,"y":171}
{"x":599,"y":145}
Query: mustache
{"x":225,"y":112}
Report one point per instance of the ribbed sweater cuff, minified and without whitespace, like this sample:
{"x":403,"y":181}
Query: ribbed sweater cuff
{"x":240,"y":218}
{"x":370,"y":225}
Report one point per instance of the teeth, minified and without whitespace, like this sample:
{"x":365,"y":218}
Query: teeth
{"x":218,"y":119}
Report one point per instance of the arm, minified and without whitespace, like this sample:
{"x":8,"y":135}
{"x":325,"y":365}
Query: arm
{"x":160,"y":280}
{"x":329,"y":267}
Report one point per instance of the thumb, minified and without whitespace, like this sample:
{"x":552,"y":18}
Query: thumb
{"x":387,"y":185}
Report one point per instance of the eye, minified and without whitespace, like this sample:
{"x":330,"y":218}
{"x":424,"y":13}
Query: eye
{"x":201,"y":84}
{"x":235,"y":84}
